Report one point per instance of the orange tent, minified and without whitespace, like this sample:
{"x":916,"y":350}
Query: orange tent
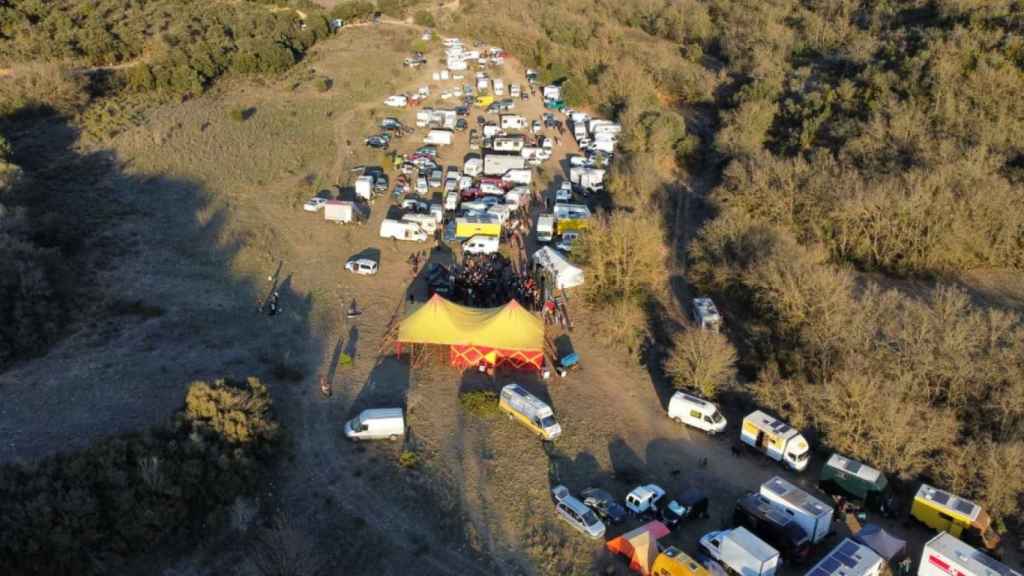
{"x":506,"y":336}
{"x":640,"y":545}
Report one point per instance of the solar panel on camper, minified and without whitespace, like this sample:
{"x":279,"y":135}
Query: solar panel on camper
{"x":849,"y":548}
{"x":830,"y":565}
{"x":819,"y":572}
{"x":941,"y":497}
{"x":963,"y":506}
{"x":851,"y":466}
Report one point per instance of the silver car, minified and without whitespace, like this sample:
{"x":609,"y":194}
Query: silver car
{"x":579,"y":516}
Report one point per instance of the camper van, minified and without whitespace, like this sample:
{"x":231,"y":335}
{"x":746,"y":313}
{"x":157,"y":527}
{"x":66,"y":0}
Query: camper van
{"x":945,"y":555}
{"x":693,"y":411}
{"x":425,"y":221}
{"x":776,"y":439}
{"x":545,"y":228}
{"x":376,"y":424}
{"x":480,"y":244}
{"x":530,"y":411}
{"x":741,"y":552}
{"x":402,"y":230}
{"x":813,"y":515}
{"x":853,"y":559}
{"x":857,"y":482}
{"x":962,"y":518}
{"x":770,"y":522}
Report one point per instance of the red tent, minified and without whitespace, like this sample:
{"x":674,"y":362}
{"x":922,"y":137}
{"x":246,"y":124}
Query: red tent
{"x":640,"y":545}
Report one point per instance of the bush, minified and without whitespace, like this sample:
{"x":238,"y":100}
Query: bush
{"x":323,"y":84}
{"x":239,"y":412}
{"x":480,"y":403}
{"x":424,"y":18}
{"x":87,"y":512}
{"x":239,"y":114}
{"x":702,"y":360}
{"x":408,"y":459}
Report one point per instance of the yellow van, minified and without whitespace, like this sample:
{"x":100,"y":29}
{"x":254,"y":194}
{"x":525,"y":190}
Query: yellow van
{"x":674,"y":562}
{"x":484,"y":101}
{"x":961,"y":518}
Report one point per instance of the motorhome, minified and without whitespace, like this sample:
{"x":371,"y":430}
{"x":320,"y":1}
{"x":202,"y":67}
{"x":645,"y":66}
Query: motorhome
{"x":696,"y":412}
{"x":499,"y":164}
{"x":776,"y":439}
{"x":523,"y":177}
{"x":376,"y":424}
{"x":960,"y":517}
{"x":946,"y":555}
{"x":530,"y":411}
{"x":770,"y":522}
{"x":850,"y":558}
{"x":741,"y":552}
{"x":480,"y":244}
{"x":402,"y":230}
{"x":425,"y":221}
{"x":856,"y":482}
{"x":813,"y":515}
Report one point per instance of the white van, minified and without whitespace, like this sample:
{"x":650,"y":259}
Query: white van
{"x":426,"y":221}
{"x":693,"y":411}
{"x":481,"y":244}
{"x":402,"y":230}
{"x":473,"y":166}
{"x":376,"y":424}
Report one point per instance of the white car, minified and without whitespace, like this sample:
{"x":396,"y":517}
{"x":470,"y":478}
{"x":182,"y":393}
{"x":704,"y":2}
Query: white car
{"x":396,"y":101}
{"x":361,"y":266}
{"x":414,"y":205}
{"x":564,"y":193}
{"x":315,"y":204}
{"x":567,"y":240}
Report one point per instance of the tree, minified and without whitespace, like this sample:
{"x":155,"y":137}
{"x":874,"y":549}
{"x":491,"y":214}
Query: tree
{"x":702,"y":360}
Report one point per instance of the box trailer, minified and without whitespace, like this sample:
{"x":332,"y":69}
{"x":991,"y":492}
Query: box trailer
{"x":741,"y":552}
{"x":530,"y":411}
{"x":589,"y":179}
{"x":439,"y":137}
{"x":776,"y":439}
{"x":946,"y":555}
{"x":960,"y":517}
{"x":513,"y":143}
{"x":339,"y":211}
{"x":524,"y":177}
{"x":811,"y":514}
{"x":483,"y":225}
{"x":849,"y":558}
{"x":513,"y":122}
{"x":857,"y":482}
{"x":499,"y":164}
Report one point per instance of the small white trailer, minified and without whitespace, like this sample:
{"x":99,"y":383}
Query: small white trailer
{"x":499,"y":164}
{"x":339,"y":211}
{"x":811,"y":514}
{"x":741,"y":552}
{"x":364,"y":187}
{"x":439,"y":137}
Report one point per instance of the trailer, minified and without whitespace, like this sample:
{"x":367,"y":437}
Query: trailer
{"x":946,"y":555}
{"x":483,"y":225}
{"x":339,"y":211}
{"x":741,"y":552}
{"x":845,"y":478}
{"x":849,"y":558}
{"x":776,"y":440}
{"x":499,"y":164}
{"x":511,"y":143}
{"x":813,"y":515}
{"x":439,"y":137}
{"x":364,"y":187}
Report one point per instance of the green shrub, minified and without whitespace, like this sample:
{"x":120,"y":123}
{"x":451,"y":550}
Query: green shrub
{"x":480,"y":403}
{"x":238,"y":114}
{"x":323,"y":84}
{"x":239,"y":412}
{"x":408,"y":459}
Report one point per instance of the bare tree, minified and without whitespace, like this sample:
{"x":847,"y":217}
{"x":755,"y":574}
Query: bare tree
{"x":703,"y":360}
{"x":285,"y":550}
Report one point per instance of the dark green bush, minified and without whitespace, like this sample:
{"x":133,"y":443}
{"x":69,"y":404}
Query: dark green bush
{"x":480,"y":403}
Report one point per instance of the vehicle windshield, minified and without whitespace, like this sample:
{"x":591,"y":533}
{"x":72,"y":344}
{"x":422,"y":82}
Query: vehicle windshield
{"x":716,"y":417}
{"x":676,"y":508}
{"x":547,"y":422}
{"x":590,"y":518}
{"x":800,"y":457}
{"x":355,"y":423}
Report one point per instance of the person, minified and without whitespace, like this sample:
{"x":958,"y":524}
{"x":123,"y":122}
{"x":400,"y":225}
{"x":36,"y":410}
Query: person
{"x":352,"y":310}
{"x":275,"y":306}
{"x":325,"y":389}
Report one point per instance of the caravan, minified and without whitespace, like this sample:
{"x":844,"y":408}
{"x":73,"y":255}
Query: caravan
{"x":776,"y":439}
{"x":530,"y":411}
{"x":513,"y":122}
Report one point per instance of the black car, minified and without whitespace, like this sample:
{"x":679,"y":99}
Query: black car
{"x":604,"y":505}
{"x":770,"y":522}
{"x":462,"y":111}
{"x":391,"y":123}
{"x":380,"y":182}
{"x":460,"y":125}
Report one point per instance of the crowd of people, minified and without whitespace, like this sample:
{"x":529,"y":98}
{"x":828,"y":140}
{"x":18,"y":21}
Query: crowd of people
{"x":490,"y":280}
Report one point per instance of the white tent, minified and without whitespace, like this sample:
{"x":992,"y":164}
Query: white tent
{"x":565,"y":274}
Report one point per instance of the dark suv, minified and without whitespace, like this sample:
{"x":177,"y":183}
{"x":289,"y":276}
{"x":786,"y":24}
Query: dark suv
{"x":770,"y":523}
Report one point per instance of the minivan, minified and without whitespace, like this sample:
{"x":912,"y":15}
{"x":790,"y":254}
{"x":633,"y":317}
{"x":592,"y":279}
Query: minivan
{"x":376,"y":424}
{"x":580,"y":517}
{"x":481,"y":244}
{"x":693,"y":411}
{"x":769,"y":522}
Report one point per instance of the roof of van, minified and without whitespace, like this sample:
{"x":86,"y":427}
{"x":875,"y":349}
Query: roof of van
{"x":764,"y":508}
{"x":862,"y":471}
{"x":795,"y":497}
{"x":770,"y":424}
{"x":381,"y":413}
{"x":847,"y":559}
{"x":947,"y":501}
{"x":694,"y":399}
{"x":752,"y":544}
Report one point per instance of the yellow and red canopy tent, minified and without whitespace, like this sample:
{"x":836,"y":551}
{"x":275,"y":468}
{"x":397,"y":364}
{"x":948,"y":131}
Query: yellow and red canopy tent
{"x":640,"y":545}
{"x":505,"y":336}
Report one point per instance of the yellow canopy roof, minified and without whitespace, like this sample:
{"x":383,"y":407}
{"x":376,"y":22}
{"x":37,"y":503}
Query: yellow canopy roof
{"x":439,"y":321}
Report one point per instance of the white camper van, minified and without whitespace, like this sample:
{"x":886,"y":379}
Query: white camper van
{"x":402,"y":230}
{"x":776,"y":439}
{"x":693,"y":411}
{"x":530,"y":411}
{"x":376,"y":424}
{"x":811,"y":514}
{"x":425,"y":221}
{"x":481,"y":244}
{"x":741,"y":552}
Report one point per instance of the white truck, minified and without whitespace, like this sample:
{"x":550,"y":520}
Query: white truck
{"x":545,"y":228}
{"x":854,"y":559}
{"x":946,"y":555}
{"x":776,"y":439}
{"x":339,"y":211}
{"x":439,"y":137}
{"x":402,"y":230}
{"x":741,"y":552}
{"x":499,"y":164}
{"x":589,"y":179}
{"x":522,"y":176}
{"x":364,"y":187}
{"x":811,"y":514}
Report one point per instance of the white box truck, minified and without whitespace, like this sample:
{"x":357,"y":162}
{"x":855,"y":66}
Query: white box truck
{"x":545,"y":228}
{"x":439,"y":137}
{"x":741,"y":552}
{"x":499,"y":164}
{"x":364,"y":187}
{"x":339,"y":211}
{"x":530,"y":411}
{"x":776,"y":439}
{"x":947,"y":555}
{"x":849,"y":558}
{"x":376,"y":424}
{"x":590,"y":179}
{"x":402,"y":230}
{"x":811,"y":514}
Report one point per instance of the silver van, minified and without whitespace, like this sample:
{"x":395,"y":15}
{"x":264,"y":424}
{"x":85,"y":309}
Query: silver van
{"x":376,"y":424}
{"x":579,"y":516}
